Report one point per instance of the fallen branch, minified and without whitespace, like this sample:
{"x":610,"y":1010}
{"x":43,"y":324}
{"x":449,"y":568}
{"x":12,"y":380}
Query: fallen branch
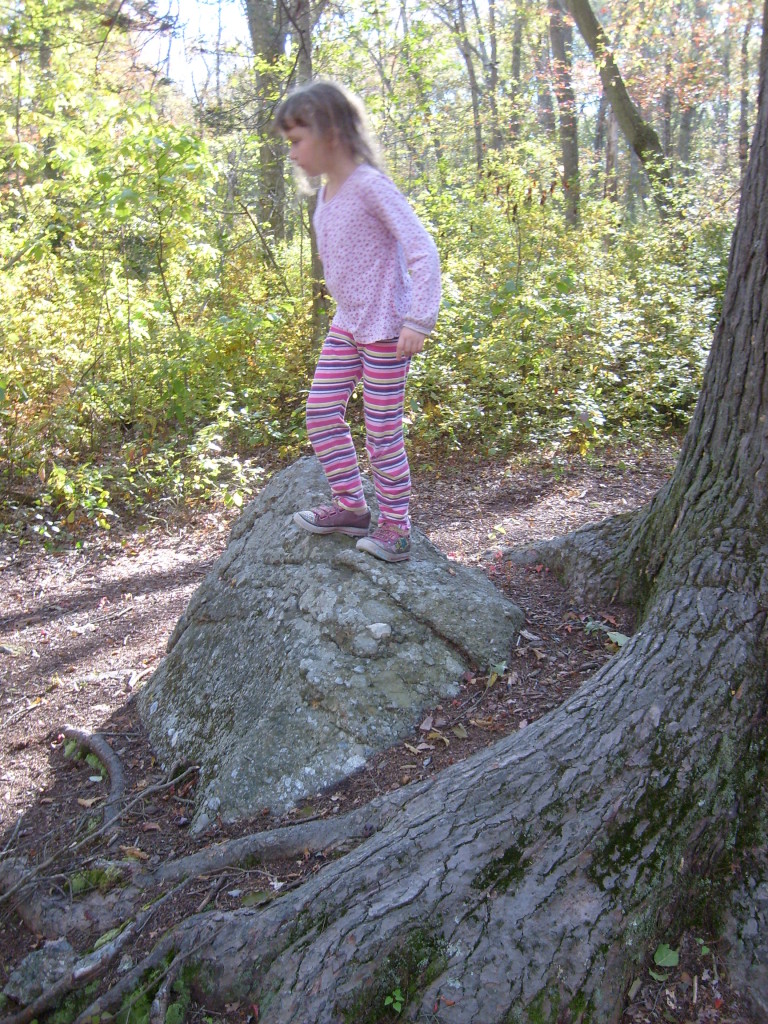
{"x":74,"y":847}
{"x":92,"y":965}
{"x":85,"y":970}
{"x":98,"y":745}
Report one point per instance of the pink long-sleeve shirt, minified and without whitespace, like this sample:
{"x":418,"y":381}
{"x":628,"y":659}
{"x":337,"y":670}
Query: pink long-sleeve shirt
{"x":381,"y":266}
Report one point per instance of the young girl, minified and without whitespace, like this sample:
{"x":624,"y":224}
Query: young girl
{"x":382,"y":269}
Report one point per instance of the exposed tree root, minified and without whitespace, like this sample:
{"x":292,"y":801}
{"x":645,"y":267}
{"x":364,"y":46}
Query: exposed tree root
{"x":165,"y":948}
{"x":162,"y":998}
{"x":85,"y":970}
{"x":98,"y":745}
{"x":93,"y":965}
{"x":591,"y":562}
{"x":24,"y":880}
{"x":322,"y":835}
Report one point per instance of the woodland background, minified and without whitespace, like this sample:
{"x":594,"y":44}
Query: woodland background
{"x":160,"y":294}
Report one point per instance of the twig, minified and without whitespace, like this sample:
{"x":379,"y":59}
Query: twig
{"x":73,"y":848}
{"x":92,"y":965}
{"x":162,"y":998}
{"x":213,"y":891}
{"x":143,"y":919}
{"x":86,"y":969}
{"x":6,"y":849}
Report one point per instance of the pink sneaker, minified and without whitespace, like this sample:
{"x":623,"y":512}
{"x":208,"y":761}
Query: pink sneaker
{"x":334,"y":518}
{"x":389,"y":542}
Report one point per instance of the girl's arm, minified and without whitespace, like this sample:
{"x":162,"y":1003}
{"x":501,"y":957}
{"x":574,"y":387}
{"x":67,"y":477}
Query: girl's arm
{"x":394,"y":211}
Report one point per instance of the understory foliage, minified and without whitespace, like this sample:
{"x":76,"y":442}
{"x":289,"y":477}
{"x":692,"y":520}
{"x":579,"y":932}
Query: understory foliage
{"x":158,"y":336}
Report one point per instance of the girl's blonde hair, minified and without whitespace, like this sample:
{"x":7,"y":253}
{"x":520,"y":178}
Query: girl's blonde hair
{"x":328,"y":110}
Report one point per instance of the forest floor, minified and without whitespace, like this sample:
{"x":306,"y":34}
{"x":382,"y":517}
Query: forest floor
{"x":83,"y":626}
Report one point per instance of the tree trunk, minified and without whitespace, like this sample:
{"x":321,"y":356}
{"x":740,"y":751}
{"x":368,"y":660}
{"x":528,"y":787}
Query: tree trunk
{"x":639,"y":134}
{"x":685,"y":141}
{"x":546,"y":114}
{"x":611,"y":189}
{"x":266,"y":25}
{"x":462,"y":37}
{"x":561,"y":37}
{"x":302,"y":31}
{"x":515,"y":82}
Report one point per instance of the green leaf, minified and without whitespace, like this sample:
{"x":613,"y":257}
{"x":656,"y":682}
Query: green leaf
{"x":656,"y":976}
{"x":666,"y":957}
{"x":617,"y":638}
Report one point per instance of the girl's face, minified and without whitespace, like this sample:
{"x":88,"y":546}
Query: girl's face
{"x":311,"y":152}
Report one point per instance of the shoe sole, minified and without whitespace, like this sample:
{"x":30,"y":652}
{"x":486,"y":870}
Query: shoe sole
{"x":378,"y":552}
{"x":348,"y":531}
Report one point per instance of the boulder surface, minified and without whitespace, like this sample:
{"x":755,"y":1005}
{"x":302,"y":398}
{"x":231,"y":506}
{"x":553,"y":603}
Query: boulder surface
{"x":299,"y":656}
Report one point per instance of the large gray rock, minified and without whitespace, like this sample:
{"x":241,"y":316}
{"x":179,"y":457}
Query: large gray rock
{"x":300,"y":656}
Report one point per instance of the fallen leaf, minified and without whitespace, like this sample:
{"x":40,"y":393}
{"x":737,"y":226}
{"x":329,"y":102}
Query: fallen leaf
{"x":438,"y":736}
{"x":481,"y":723}
{"x":426,"y":725}
{"x":459,"y":731}
{"x":529,"y":636}
{"x":151,"y":826}
{"x":409,"y":746}
{"x":134,"y":852}
{"x":89,"y":802}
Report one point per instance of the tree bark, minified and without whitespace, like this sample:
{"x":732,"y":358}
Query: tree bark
{"x":545,"y":110}
{"x":639,"y":134}
{"x":516,"y":74}
{"x":611,"y":187}
{"x":561,"y":37}
{"x":268,"y":30}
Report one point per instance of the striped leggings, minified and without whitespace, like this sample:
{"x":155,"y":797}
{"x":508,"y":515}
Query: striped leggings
{"x":342,"y":364}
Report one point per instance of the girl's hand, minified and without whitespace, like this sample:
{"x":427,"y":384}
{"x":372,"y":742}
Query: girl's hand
{"x":409,"y":343}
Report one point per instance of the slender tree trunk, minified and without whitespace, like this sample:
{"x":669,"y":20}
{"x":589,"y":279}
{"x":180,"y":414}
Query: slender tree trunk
{"x":493,"y":76}
{"x":561,"y":36}
{"x":639,"y":134}
{"x":465,"y":49}
{"x":685,"y":141}
{"x":611,"y":190}
{"x":723,"y":115}
{"x":302,"y":33}
{"x":545,"y":109}
{"x":514,"y":86}
{"x":667,"y":104}
{"x":267,"y":27}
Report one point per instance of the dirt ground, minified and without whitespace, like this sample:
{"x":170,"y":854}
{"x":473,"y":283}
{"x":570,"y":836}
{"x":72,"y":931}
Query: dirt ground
{"x":82,"y":627}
